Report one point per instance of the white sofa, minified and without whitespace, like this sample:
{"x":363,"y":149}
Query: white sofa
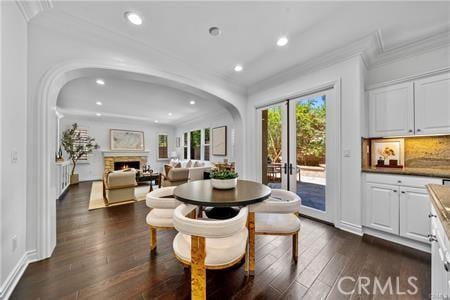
{"x":193,"y":173}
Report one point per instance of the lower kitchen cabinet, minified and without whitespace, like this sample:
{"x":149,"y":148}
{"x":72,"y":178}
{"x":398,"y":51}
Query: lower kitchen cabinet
{"x":382,"y":207}
{"x":414,"y":208}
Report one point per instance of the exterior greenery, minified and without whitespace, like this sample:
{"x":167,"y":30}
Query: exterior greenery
{"x":224,"y":174}
{"x":77,"y":146}
{"x":311,"y":126}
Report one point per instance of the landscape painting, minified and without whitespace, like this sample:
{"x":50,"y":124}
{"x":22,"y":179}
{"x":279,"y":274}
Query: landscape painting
{"x":126,"y":140}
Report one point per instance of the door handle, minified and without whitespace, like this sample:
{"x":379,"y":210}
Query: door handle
{"x":285,"y":167}
{"x":290,"y":169}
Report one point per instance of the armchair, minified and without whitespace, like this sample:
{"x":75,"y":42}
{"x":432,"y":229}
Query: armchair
{"x":119,"y":186}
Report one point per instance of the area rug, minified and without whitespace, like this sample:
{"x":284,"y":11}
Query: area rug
{"x":96,"y":199}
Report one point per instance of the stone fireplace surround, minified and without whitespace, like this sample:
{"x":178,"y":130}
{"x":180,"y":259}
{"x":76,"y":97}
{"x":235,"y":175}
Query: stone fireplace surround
{"x":111,"y":157}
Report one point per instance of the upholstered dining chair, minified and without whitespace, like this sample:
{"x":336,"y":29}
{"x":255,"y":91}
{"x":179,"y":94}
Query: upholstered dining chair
{"x":208,"y":244}
{"x":162,"y":204}
{"x":278,"y":215}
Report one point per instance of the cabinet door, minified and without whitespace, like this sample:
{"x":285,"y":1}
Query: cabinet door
{"x":391,"y":111}
{"x":432,"y":100}
{"x":382,"y":207}
{"x":414,"y":210}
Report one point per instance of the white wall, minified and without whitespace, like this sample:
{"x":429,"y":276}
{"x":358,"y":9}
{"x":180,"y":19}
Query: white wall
{"x":223,"y":118}
{"x":99,"y":129}
{"x":13,"y":139}
{"x":349,"y":73}
{"x":410,"y":66}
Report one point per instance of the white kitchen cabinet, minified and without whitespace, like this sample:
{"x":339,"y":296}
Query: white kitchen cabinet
{"x":382,"y":207}
{"x":414,"y":221}
{"x":391,"y":110}
{"x":432,"y":105}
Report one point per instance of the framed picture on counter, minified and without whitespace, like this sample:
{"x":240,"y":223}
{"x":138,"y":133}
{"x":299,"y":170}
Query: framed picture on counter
{"x":388,"y":153}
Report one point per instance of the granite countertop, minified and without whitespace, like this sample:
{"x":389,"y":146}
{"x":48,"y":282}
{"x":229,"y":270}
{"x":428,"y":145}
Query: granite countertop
{"x":440,"y":198}
{"x":429,"y":172}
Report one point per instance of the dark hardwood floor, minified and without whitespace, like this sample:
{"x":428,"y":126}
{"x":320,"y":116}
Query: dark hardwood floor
{"x":104,"y":254}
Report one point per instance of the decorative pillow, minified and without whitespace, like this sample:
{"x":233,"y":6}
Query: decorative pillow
{"x":189,"y":164}
{"x":167,"y":168}
{"x":173,"y":162}
{"x":178,"y":165}
{"x":196,"y":164}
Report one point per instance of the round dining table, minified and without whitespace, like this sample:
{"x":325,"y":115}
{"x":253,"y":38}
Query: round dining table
{"x":220,"y":204}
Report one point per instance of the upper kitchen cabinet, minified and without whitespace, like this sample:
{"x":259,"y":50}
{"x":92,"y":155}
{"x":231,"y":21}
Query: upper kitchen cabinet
{"x":391,"y":110}
{"x":432,"y":105}
{"x":420,"y":107}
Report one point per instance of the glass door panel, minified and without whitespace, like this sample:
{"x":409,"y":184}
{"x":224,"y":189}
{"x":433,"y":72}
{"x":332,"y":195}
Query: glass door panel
{"x":273,"y":146}
{"x":308,"y":139}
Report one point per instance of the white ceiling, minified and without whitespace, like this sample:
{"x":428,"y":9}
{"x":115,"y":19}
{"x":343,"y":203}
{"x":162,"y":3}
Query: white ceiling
{"x":125,"y":98}
{"x":250,"y":29}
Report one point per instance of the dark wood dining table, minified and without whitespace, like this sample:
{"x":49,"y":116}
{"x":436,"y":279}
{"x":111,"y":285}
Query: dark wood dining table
{"x":220,"y":204}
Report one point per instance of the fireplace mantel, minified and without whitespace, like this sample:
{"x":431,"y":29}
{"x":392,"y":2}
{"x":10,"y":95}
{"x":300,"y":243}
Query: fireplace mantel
{"x":110,"y":153}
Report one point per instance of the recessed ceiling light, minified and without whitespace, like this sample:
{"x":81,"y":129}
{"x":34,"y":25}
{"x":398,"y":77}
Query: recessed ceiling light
{"x":282,"y":41}
{"x":100,"y":81}
{"x":134,"y":18}
{"x":99,"y":103}
{"x":214,"y":31}
{"x":192,"y":102}
{"x":169,"y":114}
{"x":98,"y":114}
{"x":156,"y":121}
{"x":238,"y":68}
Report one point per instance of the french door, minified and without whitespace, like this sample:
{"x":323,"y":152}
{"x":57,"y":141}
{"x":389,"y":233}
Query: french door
{"x":299,"y":150}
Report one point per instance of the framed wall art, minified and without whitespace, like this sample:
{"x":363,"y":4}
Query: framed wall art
{"x":219,"y":141}
{"x":126,"y":140}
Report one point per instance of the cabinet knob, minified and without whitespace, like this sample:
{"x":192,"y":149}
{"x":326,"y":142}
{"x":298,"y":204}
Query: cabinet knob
{"x":446,"y":266}
{"x":419,"y":130}
{"x":395,"y":191}
{"x":403,"y":192}
{"x":430,"y":215}
{"x":399,"y":181}
{"x":410,"y":130}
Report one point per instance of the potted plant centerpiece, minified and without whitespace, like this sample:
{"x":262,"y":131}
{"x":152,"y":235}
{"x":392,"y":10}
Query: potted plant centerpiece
{"x":224,"y":179}
{"x":76,"y":147}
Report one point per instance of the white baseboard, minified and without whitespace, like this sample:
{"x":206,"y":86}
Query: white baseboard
{"x":398,"y":240}
{"x":13,"y":278}
{"x":350,"y":227}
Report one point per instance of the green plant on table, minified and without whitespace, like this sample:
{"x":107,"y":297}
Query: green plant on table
{"x":223,"y":174}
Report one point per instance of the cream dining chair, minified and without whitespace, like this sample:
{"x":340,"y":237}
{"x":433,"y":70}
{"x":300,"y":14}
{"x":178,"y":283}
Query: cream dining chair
{"x":162,"y":204}
{"x":208,"y":244}
{"x":278,"y":215}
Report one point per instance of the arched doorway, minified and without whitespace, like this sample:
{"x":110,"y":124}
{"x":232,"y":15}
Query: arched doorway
{"x":41,"y":138}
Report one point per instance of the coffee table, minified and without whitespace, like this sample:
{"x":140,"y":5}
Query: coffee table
{"x":150,"y":177}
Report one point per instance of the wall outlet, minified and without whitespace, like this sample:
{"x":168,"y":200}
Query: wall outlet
{"x":347,"y":153}
{"x":14,"y":243}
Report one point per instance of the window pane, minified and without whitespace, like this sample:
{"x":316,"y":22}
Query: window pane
{"x":185,"y":140}
{"x":185,"y":153}
{"x":206,"y":136}
{"x":163,"y":151}
{"x":195,"y":144}
{"x":206,"y":152}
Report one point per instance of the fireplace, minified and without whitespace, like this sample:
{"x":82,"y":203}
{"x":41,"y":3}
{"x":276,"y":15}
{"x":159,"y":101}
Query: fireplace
{"x":120,"y":165}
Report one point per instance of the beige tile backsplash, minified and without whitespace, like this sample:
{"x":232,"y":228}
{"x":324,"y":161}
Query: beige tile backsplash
{"x":427,"y":152}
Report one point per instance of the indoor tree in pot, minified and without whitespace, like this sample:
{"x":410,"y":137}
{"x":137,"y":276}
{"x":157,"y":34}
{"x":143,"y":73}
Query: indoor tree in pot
{"x":75,"y":149}
{"x":224,"y":179}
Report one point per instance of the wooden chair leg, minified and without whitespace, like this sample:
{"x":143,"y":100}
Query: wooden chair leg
{"x":152,"y":238}
{"x":295,"y":247}
{"x":198,"y":270}
{"x":251,"y":243}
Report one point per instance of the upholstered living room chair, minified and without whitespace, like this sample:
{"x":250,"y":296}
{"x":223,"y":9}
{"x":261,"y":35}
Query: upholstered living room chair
{"x":174,"y":176}
{"x":277,"y":215}
{"x":119,"y":186}
{"x":162,"y":204}
{"x":208,"y":244}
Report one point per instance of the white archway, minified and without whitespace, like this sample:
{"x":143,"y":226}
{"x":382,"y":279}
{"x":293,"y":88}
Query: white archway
{"x":41,"y":138}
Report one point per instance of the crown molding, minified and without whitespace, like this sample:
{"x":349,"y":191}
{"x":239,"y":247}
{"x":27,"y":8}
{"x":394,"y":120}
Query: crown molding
{"x":364,"y":47}
{"x":438,"y":39}
{"x":30,"y":9}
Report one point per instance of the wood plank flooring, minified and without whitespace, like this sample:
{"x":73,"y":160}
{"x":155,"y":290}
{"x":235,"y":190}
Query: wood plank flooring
{"x":104,"y":254}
